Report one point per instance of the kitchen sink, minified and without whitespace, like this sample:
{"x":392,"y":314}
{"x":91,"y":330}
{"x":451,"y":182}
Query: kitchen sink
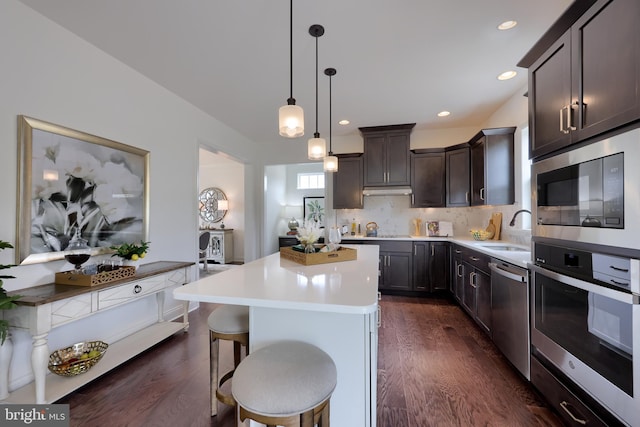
{"x":506,"y":248}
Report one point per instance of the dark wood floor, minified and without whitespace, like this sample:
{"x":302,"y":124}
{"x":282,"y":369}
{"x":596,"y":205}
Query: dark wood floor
{"x":435,"y":368}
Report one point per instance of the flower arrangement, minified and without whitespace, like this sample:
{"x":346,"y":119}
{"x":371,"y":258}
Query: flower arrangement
{"x":308,"y":235}
{"x":131,"y":251}
{"x":6,"y":302}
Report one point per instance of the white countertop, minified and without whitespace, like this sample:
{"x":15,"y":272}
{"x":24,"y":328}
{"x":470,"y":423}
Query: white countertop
{"x":488,"y":247}
{"x":339,"y":287}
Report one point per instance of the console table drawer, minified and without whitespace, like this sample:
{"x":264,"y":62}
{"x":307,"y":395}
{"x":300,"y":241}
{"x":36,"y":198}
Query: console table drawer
{"x":125,"y":293}
{"x":70,"y":309}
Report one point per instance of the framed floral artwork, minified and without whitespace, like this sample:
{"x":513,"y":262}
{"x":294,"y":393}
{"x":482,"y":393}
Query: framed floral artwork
{"x":314,"y":210}
{"x":72,"y":182}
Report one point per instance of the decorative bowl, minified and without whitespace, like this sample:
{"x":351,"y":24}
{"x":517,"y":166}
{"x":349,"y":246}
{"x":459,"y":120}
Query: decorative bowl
{"x":480,"y":234}
{"x":77,"y":359}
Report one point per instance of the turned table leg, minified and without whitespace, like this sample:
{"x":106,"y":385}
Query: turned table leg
{"x":39,"y":361}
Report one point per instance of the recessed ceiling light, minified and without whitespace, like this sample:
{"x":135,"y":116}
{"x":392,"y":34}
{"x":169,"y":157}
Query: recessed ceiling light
{"x":507,"y":25}
{"x":344,"y":122}
{"x":443,"y":113}
{"x":507,"y":75}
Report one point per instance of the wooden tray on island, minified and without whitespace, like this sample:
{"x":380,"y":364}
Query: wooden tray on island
{"x":342,"y":254}
{"x":73,"y":278}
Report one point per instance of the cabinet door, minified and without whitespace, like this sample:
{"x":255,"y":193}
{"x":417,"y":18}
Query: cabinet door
{"x":606,"y":67}
{"x":428,"y":180}
{"x":375,"y":165}
{"x":398,"y":169}
{"x":550,"y":98}
{"x":458,"y":275}
{"x":469,"y":290}
{"x":421,"y":266}
{"x":457,"y":181}
{"x":499,"y":181}
{"x":347,"y":183}
{"x":477,"y":173}
{"x":439,"y":266}
{"x":483,"y":299}
{"x":397,"y":270}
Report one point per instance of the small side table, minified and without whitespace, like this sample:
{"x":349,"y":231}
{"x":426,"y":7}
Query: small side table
{"x":221,"y":245}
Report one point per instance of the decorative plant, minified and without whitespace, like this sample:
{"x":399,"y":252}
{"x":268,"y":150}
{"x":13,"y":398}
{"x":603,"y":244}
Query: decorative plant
{"x":6,"y":302}
{"x":131,"y":251}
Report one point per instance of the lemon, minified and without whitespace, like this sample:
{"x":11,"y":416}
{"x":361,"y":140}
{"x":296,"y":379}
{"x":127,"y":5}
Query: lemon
{"x":84,"y":356}
{"x":134,"y":257}
{"x":142,"y":255}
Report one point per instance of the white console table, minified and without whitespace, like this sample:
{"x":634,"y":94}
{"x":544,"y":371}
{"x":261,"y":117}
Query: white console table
{"x":45,"y":307}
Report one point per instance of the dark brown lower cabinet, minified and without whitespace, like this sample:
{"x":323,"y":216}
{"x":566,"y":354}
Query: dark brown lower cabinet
{"x":430,"y":266}
{"x":475,"y":280}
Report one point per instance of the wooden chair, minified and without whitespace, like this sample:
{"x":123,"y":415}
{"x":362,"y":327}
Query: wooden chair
{"x":231,"y":323}
{"x":285,"y":384}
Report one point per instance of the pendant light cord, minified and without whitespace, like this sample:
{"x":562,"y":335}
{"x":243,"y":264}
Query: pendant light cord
{"x":330,"y":103}
{"x":317,"y":134}
{"x":291,"y":101}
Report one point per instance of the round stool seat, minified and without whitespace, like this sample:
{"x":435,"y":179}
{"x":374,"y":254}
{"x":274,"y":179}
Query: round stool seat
{"x":284,"y":379}
{"x":229,"y":319}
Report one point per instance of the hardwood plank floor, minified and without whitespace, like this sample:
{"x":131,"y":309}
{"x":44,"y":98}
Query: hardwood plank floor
{"x":435,"y":368}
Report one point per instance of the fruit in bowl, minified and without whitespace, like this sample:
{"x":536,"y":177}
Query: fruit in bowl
{"x":76,"y":359}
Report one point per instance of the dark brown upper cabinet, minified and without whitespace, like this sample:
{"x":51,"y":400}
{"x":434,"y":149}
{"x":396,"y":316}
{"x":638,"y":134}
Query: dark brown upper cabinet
{"x":386,"y":155}
{"x":492,"y":167}
{"x":427,"y":178}
{"x":347,"y":182}
{"x":457,"y":175}
{"x":587,"y":81}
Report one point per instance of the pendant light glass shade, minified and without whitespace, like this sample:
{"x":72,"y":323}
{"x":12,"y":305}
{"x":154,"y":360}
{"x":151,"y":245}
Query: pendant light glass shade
{"x":330,"y":164}
{"x":317,"y":148}
{"x":291,"y":120}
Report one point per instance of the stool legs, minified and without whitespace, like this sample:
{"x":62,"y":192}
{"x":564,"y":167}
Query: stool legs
{"x":317,"y":416}
{"x":216,"y":382}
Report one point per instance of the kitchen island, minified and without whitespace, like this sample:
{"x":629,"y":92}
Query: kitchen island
{"x":333,"y":306}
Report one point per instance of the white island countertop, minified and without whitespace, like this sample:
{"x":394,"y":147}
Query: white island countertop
{"x":273,"y":282}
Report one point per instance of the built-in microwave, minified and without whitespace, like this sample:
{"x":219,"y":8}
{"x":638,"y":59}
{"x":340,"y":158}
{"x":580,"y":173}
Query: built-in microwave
{"x":590,"y":194}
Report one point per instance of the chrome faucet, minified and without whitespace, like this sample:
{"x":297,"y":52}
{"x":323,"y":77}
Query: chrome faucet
{"x":513,"y":220}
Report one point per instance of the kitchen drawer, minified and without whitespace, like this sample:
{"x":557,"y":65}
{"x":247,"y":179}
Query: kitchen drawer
{"x":130,"y":291}
{"x":395,"y":246}
{"x":476,"y":259}
{"x":70,"y":309}
{"x":570,"y":408}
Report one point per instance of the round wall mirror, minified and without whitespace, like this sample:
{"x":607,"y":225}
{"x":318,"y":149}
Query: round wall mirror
{"x":209,"y":209}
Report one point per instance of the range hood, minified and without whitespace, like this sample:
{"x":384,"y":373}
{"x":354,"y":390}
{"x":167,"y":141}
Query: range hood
{"x":386,"y":191}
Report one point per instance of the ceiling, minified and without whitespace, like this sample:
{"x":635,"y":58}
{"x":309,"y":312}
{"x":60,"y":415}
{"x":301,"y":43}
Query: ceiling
{"x":398,"y":61}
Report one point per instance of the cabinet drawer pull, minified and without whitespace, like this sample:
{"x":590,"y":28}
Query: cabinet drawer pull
{"x":415,"y":250}
{"x":466,"y":196}
{"x":565,"y":406}
{"x":458,"y":251}
{"x":137,"y":289}
{"x":433,"y":250}
{"x":473,"y":258}
{"x":562,"y":129}
{"x":482,"y":193}
{"x":472,"y":280}
{"x":624,"y":270}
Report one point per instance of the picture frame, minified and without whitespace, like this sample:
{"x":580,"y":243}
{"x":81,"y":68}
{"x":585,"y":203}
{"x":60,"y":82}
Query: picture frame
{"x":314,"y":209}
{"x":71,"y":181}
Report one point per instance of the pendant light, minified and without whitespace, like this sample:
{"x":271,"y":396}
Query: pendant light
{"x":317,"y":147}
{"x":291,"y":116}
{"x":331,"y":161}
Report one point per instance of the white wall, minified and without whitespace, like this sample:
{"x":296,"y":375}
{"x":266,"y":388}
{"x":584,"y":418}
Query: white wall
{"x":50,"y":74}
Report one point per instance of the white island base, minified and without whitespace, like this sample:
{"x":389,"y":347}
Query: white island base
{"x":350,"y":340}
{"x":332,"y":306}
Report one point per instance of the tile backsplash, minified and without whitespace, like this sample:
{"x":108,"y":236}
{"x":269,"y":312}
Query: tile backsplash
{"x":394,"y":216}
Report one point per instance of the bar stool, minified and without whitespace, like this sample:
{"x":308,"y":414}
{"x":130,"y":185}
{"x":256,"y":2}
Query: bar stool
{"x":286,"y":384}
{"x":231,"y":323}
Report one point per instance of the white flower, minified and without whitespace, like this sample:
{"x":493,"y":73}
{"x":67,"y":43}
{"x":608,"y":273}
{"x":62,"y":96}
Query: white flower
{"x":309,"y":234}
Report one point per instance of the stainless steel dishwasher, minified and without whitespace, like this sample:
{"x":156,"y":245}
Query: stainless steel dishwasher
{"x":510,"y":313}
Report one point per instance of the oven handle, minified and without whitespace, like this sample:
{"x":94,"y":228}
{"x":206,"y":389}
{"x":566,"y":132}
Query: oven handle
{"x":624,"y":297}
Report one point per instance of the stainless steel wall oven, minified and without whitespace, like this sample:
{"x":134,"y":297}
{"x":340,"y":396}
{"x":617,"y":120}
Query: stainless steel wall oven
{"x":585,"y":278}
